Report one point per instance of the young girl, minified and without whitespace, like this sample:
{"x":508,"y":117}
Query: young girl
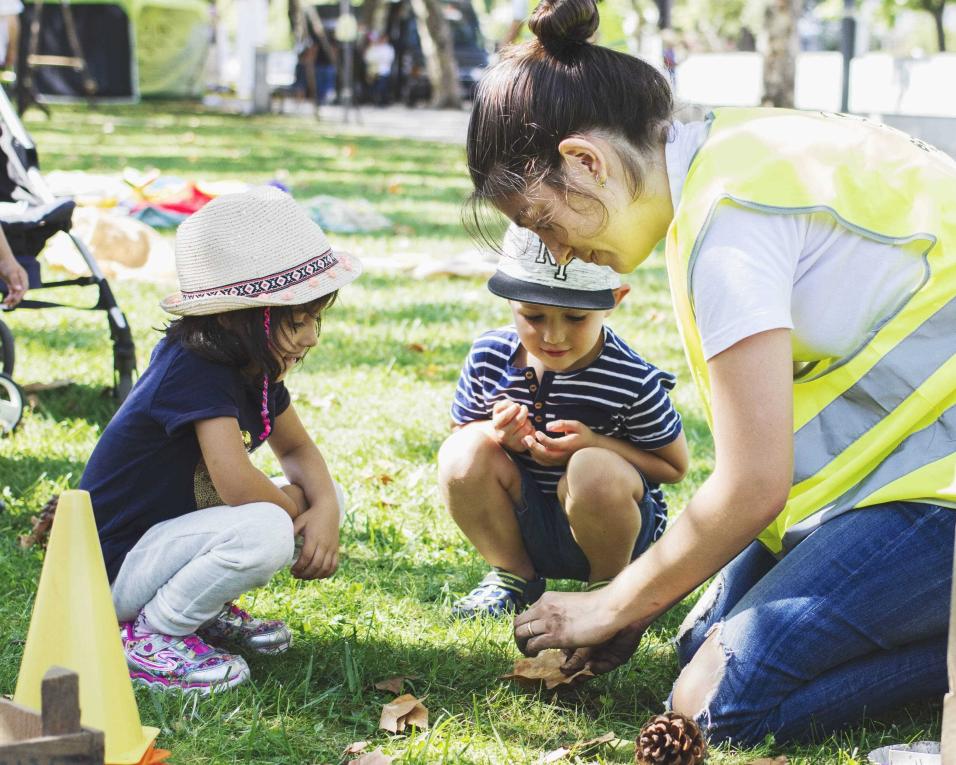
{"x":186,"y":522}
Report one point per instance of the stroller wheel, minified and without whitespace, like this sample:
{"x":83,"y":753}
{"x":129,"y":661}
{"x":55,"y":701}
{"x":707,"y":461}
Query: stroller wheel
{"x":11,"y":405}
{"x":6,"y":350}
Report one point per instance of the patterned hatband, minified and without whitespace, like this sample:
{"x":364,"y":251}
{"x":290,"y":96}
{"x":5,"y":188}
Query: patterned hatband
{"x":267,"y":285}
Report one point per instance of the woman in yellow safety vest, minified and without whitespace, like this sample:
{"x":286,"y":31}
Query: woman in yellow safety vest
{"x":816,"y":299}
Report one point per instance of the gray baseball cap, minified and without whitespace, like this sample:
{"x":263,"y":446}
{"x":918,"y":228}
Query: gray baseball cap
{"x":528,"y":272}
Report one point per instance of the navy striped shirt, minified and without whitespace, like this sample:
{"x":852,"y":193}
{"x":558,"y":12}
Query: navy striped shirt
{"x":618,"y":394}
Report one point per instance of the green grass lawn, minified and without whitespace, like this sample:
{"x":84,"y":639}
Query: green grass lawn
{"x":375,"y":394}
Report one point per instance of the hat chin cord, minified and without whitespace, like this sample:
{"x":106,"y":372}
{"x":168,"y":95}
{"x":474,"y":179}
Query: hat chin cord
{"x":267,"y":425}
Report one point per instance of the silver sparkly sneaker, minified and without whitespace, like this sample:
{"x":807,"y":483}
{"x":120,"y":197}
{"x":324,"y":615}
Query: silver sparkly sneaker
{"x":236,"y":627}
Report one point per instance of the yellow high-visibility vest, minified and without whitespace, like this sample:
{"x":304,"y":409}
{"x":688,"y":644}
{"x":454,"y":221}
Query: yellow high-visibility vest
{"x":879,"y":424}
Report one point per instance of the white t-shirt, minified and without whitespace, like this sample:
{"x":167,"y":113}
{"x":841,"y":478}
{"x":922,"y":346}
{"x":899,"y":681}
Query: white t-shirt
{"x":807,"y":272}
{"x":379,"y":57}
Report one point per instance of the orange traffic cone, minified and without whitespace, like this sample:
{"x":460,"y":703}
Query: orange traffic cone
{"x":74,"y":625}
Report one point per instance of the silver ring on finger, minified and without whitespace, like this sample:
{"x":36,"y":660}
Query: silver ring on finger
{"x":531,"y":632}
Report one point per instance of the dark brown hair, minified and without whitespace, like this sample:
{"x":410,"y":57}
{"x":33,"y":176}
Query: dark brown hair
{"x":553,"y":87}
{"x":238,"y":338}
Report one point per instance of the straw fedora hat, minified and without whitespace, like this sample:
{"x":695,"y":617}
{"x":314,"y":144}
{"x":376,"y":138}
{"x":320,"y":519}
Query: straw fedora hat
{"x":254,"y":249}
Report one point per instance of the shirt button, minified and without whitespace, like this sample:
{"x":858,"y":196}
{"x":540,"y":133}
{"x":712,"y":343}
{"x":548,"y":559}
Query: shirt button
{"x":538,"y":418}
{"x":538,"y":405}
{"x":528,"y":375}
{"x":532,"y":388}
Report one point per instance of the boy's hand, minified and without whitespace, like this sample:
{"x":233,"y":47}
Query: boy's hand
{"x":512,"y":425}
{"x":319,"y":557}
{"x":557,"y":451}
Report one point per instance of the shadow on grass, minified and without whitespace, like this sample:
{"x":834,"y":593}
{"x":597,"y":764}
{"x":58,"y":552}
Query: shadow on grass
{"x":92,"y":403}
{"x":330,"y":677}
{"x":78,"y":337}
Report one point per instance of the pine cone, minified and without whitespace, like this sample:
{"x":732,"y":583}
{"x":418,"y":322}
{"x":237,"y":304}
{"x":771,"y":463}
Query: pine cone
{"x":670,"y":739}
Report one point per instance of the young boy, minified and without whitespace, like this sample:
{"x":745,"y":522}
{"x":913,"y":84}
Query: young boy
{"x":562,"y":435}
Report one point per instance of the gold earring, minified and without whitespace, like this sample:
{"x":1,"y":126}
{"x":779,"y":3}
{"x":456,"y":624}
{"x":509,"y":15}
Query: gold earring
{"x":602,"y":183}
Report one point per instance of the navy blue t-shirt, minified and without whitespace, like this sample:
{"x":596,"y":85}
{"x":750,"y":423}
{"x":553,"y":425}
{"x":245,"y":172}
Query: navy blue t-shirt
{"x":147,"y":466}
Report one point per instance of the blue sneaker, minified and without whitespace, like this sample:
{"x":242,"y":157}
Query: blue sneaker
{"x":500,"y":592}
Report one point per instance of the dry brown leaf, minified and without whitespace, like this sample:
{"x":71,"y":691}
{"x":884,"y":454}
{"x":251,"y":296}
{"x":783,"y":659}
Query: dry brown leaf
{"x":781,"y":760}
{"x":558,"y":754}
{"x":399,"y":713}
{"x":393,"y":684}
{"x":42,"y":524}
{"x":355,"y":747}
{"x":416,"y":347}
{"x":607,"y":738}
{"x":553,"y":756}
{"x":578,"y":748}
{"x":544,"y":668}
{"x":378,"y":757}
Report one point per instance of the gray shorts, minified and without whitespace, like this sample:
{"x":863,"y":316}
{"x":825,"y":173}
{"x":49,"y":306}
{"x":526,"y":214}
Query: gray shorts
{"x":547,"y":536}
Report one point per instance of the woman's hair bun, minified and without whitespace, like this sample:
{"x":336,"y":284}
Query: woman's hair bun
{"x":560,"y":23}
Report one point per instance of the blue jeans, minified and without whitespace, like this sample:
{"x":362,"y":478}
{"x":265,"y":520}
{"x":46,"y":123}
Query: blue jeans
{"x":324,"y":83}
{"x":852,"y":621}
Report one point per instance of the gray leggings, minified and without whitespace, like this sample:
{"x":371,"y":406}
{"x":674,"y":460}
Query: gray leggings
{"x":182,"y":571}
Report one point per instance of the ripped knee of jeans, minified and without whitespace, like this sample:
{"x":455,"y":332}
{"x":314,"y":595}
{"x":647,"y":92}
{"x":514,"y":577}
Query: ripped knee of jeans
{"x":697,"y":624}
{"x":697,"y":685}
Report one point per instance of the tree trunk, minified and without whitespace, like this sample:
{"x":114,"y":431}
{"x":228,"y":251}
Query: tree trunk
{"x":295,"y":19}
{"x":367,"y":13}
{"x":940,"y":29}
{"x":780,"y":52}
{"x":435,"y":34}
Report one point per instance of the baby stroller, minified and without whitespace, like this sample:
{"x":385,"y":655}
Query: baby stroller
{"x":29,"y":215}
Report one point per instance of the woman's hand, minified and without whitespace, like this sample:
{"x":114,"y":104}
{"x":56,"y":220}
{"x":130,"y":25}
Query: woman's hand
{"x":13,"y":275}
{"x":603,"y":658}
{"x":319,"y":527}
{"x":511,"y":425}
{"x":565,"y":620}
{"x":557,"y":451}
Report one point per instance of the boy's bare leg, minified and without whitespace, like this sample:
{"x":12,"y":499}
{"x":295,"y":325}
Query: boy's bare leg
{"x":600,"y":493}
{"x":481,"y":487}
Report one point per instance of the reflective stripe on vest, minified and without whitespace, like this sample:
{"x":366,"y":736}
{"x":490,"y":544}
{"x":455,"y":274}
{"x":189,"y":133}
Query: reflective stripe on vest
{"x":862,"y":406}
{"x":880,"y":424}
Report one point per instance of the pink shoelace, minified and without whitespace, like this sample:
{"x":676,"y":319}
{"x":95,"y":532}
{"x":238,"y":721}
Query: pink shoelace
{"x":196,"y":645}
{"x":236,"y":611}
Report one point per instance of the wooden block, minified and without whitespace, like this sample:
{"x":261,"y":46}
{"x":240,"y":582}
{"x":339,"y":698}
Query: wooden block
{"x":60,"y":694}
{"x":55,"y":736}
{"x":18,"y":723}
{"x":78,"y":749}
{"x":948,"y":750}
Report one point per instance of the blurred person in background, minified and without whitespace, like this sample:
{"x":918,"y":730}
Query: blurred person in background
{"x":379,"y":58}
